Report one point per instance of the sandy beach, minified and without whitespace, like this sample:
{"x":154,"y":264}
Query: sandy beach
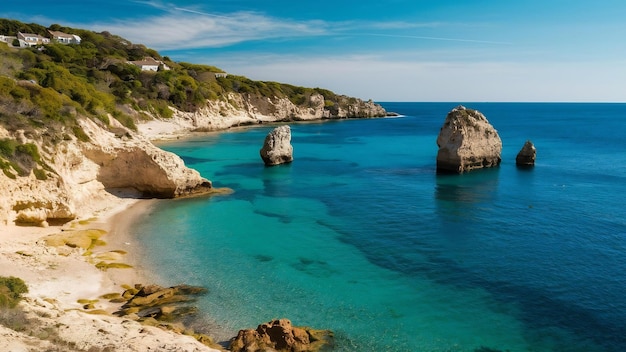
{"x":61,"y":279}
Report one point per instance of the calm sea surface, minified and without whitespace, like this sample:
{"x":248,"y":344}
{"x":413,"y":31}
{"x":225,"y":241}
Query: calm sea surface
{"x":361,"y":236}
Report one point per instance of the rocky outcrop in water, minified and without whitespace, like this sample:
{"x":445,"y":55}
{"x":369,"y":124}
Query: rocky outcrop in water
{"x":280,"y":335}
{"x":277,"y":148}
{"x":527,"y":155}
{"x":467,"y":141}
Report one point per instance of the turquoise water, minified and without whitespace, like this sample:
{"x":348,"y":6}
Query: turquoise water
{"x":361,"y":236}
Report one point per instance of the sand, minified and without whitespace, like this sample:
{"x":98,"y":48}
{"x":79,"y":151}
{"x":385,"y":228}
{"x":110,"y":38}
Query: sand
{"x":59,"y":277}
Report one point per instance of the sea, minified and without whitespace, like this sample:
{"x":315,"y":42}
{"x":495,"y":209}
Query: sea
{"x":361,"y":235}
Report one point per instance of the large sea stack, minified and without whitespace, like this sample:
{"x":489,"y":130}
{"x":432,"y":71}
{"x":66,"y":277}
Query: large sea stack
{"x":467,"y":141}
{"x":277,"y":147}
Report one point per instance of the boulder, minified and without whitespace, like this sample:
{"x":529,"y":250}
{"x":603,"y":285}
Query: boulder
{"x":280,"y":335}
{"x":277,"y":147}
{"x":467,"y":141}
{"x":527,"y":155}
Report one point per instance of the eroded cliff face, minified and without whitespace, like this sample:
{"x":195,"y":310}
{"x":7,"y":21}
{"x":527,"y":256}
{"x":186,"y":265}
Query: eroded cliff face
{"x":244,"y":109}
{"x":79,"y":175}
{"x":131,"y":161}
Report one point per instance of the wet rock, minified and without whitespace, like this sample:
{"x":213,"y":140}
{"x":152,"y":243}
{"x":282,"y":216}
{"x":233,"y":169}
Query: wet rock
{"x":527,"y":155}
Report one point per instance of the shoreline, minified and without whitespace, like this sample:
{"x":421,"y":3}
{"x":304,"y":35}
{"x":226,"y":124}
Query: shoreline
{"x":60,"y":280}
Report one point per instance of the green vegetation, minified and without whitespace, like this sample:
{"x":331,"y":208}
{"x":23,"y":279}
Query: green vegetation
{"x":53,"y":85}
{"x":11,"y":290}
{"x":21,"y":158}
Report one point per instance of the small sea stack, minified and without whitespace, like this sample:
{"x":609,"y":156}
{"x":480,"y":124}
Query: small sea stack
{"x":467,"y":141}
{"x":527,"y":155}
{"x":277,"y":148}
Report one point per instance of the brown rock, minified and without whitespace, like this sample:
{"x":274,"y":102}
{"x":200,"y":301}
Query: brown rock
{"x":527,"y":155}
{"x":467,"y":141}
{"x":280,"y":335}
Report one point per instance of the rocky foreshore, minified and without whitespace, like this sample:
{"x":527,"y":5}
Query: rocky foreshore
{"x":76,"y":276}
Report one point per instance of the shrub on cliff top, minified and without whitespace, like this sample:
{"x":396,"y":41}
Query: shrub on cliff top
{"x":11,"y":290}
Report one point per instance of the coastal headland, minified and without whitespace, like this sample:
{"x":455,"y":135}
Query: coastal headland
{"x":79,"y":164}
{"x":61,"y":279}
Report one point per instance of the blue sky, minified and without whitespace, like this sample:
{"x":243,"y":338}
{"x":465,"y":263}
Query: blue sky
{"x":394,"y":50}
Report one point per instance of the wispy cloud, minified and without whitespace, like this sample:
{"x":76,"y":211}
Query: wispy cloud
{"x":192,"y":27}
{"x":437,"y":38}
{"x":183,"y":28}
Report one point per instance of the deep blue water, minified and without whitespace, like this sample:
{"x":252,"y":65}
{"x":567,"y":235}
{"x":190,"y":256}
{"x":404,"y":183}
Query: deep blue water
{"x":361,"y":236}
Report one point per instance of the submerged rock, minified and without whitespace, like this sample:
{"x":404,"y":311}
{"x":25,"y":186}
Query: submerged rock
{"x":467,"y":141}
{"x":160,"y":303}
{"x":527,"y":155}
{"x":280,"y":335}
{"x":277,"y":147}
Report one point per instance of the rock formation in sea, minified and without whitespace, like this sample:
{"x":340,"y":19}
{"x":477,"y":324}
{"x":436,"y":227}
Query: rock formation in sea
{"x":277,"y":148}
{"x":467,"y":141}
{"x":527,"y":155}
{"x":280,"y":335}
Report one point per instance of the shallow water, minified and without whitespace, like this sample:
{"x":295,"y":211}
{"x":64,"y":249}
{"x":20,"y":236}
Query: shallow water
{"x":361,"y":236}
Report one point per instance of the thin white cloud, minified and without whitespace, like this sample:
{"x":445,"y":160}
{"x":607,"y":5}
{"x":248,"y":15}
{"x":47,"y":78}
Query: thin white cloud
{"x":437,"y":38}
{"x":189,"y":28}
{"x":199,"y":12}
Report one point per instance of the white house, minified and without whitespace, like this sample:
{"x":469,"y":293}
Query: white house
{"x":149,"y":64}
{"x":64,"y":38}
{"x":7,"y":39}
{"x":30,"y":39}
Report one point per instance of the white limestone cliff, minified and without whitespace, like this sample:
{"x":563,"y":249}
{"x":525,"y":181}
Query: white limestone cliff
{"x":243,"y":109}
{"x":81,"y":174}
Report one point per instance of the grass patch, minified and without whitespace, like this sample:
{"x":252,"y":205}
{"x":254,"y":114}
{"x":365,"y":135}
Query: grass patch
{"x":40,"y":174}
{"x":11,"y":290}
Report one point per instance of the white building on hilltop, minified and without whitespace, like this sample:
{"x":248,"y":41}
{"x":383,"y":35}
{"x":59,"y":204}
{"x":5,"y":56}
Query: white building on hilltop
{"x":149,"y":64}
{"x":64,"y":38}
{"x":30,"y":39}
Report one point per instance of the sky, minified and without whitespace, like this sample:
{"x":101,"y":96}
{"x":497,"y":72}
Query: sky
{"x":393,"y":50}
